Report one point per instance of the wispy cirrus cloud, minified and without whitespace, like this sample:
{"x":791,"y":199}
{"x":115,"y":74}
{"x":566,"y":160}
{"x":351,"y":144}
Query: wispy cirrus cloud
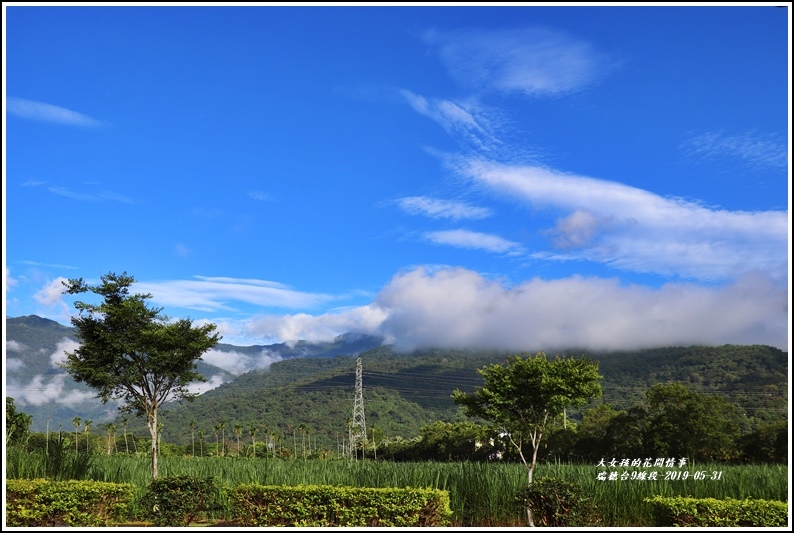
{"x":467,"y":122}
{"x":91,"y":197}
{"x":532,"y":61}
{"x":753,"y":148}
{"x":30,"y":109}
{"x":47,"y":265}
{"x":462,"y":238}
{"x":217,"y":293}
{"x":259,"y":195}
{"x":435,"y":208}
{"x":637,"y":230}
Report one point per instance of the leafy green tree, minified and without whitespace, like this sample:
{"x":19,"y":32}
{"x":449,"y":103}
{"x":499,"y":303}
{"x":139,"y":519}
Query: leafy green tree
{"x":521,"y":396}
{"x":131,"y":352}
{"x":607,"y":433}
{"x":690,"y":424}
{"x":17,"y":423}
{"x":766,"y":444}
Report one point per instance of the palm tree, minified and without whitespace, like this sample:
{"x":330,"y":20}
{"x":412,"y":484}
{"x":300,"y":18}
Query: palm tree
{"x":201,"y":442}
{"x":252,"y":431}
{"x":192,"y":436}
{"x":110,"y":429}
{"x":238,"y":430}
{"x":124,"y":422}
{"x":76,"y":423}
{"x":87,"y":431}
{"x":217,"y":428}
{"x":302,"y":427}
{"x":223,"y":437}
{"x":47,"y":442}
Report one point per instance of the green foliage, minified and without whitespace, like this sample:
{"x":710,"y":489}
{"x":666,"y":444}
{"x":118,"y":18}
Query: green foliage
{"x":523,"y":395}
{"x":707,"y":512}
{"x":556,"y":503}
{"x":42,"y":503}
{"x":130,"y":352}
{"x":57,"y":461}
{"x":178,"y":500}
{"x":328,"y":506}
{"x":767,"y":444}
{"x":682,"y":423}
{"x":17,"y":423}
{"x":460,"y":441}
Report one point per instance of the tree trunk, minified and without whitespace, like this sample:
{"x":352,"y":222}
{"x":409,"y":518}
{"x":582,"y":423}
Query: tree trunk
{"x":152,"y":424}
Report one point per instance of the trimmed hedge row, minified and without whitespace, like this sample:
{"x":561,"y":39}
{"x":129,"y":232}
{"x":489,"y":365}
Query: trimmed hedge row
{"x":683,"y":511}
{"x":46,"y":503}
{"x":328,"y":506}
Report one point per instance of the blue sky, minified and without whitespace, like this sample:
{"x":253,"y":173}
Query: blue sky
{"x":513,"y":177}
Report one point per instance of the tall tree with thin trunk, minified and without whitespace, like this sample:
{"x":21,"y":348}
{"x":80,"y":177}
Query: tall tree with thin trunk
{"x":76,"y":422}
{"x":131,"y":352}
{"x":193,"y":436}
{"x":124,"y":423}
{"x":238,"y":432}
{"x":252,"y":430}
{"x":87,"y":433}
{"x":521,"y":396}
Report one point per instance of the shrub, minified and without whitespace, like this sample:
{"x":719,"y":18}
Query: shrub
{"x":178,"y":500}
{"x":681,"y":511}
{"x":44,"y":503}
{"x":328,"y":506}
{"x":555,"y":502}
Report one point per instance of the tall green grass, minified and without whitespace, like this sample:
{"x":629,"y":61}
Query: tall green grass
{"x":481,"y":494}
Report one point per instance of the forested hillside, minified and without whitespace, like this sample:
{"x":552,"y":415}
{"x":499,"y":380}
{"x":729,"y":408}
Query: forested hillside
{"x":405,"y":391}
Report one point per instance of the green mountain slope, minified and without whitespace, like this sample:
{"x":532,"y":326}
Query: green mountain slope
{"x":403,"y":392}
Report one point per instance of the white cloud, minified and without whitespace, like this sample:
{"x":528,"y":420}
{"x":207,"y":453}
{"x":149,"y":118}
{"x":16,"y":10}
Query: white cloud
{"x":239,"y":363}
{"x":202,"y":387}
{"x":291,"y":328}
{"x":14,"y":346}
{"x":91,"y":197}
{"x":431,"y":207}
{"x":463,"y":121}
{"x":59,"y":355}
{"x":259,"y":195}
{"x":461,"y":308}
{"x":578,"y":229}
{"x":49,"y":113}
{"x":213,"y":293}
{"x":10,"y":281}
{"x":41,"y":391}
{"x":755,"y":149}
{"x":636,"y":230}
{"x":181,"y":250}
{"x":532,"y":61}
{"x":462,"y":238}
{"x":52,"y":293}
{"x":12,"y":364}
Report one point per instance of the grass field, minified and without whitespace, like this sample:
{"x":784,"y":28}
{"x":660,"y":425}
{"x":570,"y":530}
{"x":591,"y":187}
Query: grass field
{"x":481,"y":494}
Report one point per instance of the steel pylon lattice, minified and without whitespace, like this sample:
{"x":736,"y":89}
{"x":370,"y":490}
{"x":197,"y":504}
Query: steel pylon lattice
{"x":359,"y":429}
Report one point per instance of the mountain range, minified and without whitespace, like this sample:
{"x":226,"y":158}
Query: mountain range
{"x":311,"y":386}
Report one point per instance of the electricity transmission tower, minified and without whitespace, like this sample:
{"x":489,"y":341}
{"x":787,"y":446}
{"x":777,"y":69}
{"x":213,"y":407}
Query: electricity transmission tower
{"x":359,"y":428}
